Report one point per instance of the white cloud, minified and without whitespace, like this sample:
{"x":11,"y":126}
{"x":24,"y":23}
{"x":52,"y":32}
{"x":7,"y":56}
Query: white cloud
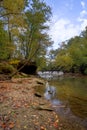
{"x":82,"y":19}
{"x":83,"y":4}
{"x":83,"y":13}
{"x":62,"y":30}
{"x":83,"y":23}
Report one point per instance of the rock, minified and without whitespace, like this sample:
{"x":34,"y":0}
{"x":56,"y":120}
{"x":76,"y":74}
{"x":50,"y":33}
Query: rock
{"x":38,"y":94}
{"x":39,"y":82}
{"x":23,"y":74}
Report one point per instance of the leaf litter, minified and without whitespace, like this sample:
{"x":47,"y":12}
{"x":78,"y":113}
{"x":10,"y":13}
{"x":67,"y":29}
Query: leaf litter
{"x":18,"y":105}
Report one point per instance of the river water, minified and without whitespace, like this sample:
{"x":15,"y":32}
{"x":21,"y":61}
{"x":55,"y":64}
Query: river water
{"x":68,"y":96}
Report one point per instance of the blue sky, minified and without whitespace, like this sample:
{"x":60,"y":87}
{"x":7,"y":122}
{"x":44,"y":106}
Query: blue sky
{"x":68,"y":20}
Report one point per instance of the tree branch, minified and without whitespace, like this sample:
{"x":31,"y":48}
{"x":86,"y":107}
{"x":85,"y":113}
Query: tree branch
{"x":3,"y":15}
{"x":28,"y":60}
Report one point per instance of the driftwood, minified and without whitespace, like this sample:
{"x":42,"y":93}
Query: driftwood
{"x":46,"y":108}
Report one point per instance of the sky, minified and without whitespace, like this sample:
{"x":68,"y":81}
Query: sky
{"x":69,"y":19}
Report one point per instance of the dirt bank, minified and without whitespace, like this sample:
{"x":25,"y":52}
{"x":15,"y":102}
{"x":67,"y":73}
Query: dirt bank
{"x":22,"y":109}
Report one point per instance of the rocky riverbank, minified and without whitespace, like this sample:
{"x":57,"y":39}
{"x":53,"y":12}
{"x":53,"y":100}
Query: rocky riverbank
{"x":21,"y":108}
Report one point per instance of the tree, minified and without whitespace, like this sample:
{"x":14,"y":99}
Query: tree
{"x":25,"y":25}
{"x":11,"y":16}
{"x":6,"y":48}
{"x":64,"y":61}
{"x":34,"y":40}
{"x":84,"y":33}
{"x":73,"y":56}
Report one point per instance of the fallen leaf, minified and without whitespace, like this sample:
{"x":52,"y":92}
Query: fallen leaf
{"x":25,"y":127}
{"x":55,"y":124}
{"x":42,"y":128}
{"x":11,"y":125}
{"x":3,"y":125}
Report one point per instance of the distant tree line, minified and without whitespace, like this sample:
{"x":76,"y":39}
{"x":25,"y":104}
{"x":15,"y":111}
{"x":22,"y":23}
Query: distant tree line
{"x":71,"y":56}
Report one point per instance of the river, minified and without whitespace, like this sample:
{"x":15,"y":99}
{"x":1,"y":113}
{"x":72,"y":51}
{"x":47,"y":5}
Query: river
{"x":68,"y":96}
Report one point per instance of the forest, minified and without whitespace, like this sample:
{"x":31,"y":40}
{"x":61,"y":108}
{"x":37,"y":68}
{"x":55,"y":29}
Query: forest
{"x":23,"y":37}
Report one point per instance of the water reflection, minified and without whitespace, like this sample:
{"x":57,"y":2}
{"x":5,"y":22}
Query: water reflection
{"x":50,"y":92}
{"x":68,"y":94}
{"x":72,"y":93}
{"x":69,"y":98}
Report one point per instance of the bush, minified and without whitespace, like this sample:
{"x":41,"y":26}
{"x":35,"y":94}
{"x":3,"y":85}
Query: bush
{"x":14,"y":62}
{"x":85,"y":72}
{"x":6,"y":68}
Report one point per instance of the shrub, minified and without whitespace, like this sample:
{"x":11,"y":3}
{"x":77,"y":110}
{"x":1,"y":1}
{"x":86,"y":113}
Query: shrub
{"x":85,"y":72}
{"x":6,"y":68}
